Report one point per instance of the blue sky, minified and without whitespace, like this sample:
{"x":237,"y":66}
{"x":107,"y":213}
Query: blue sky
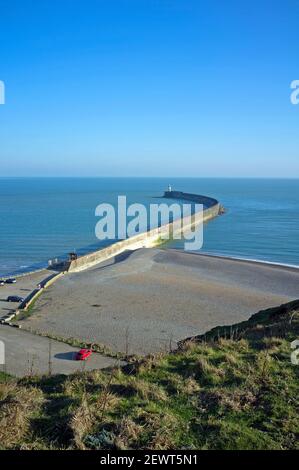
{"x":149,"y":88}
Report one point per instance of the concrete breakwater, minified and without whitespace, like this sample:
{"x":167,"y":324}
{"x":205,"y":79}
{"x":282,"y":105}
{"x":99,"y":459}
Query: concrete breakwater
{"x":150,"y":238}
{"x":197,"y":198}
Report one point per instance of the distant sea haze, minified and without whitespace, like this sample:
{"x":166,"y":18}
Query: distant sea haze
{"x":43,"y":218}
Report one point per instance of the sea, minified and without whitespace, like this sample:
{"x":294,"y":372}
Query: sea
{"x":46,"y":218}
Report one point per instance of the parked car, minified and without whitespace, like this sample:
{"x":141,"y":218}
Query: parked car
{"x":14,"y":298}
{"x":83,"y":354}
{"x":2,"y":282}
{"x":11,"y":280}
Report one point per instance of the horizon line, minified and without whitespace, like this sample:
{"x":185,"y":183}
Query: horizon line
{"x":149,"y":177}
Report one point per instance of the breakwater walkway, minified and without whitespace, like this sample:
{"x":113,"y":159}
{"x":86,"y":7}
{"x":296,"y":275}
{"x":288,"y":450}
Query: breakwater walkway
{"x":212,"y":208}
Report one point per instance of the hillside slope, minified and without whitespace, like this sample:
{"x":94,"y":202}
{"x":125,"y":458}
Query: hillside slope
{"x":233,"y":388}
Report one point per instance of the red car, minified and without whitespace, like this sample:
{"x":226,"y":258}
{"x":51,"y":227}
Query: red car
{"x":83,"y":354}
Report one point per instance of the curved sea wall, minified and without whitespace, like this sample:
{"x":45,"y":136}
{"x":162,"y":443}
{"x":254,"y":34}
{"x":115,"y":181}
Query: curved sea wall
{"x":207,"y":201}
{"x":151,"y":237}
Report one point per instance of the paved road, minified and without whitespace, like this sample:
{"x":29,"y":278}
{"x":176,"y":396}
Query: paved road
{"x":26,"y":353}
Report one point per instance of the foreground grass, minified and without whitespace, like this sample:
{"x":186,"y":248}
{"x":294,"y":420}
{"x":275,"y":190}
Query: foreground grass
{"x":234,"y":388}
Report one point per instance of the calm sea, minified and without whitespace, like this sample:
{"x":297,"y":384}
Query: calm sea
{"x":43,"y":218}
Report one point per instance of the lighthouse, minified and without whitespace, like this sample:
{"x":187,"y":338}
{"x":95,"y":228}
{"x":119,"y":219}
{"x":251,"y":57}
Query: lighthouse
{"x":168,"y":192}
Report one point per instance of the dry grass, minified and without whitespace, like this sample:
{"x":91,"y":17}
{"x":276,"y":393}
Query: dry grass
{"x":272,"y":343}
{"x":235,"y":399}
{"x":164,"y":432}
{"x":81,"y":423}
{"x":16,"y":407}
{"x":128,"y":434}
{"x":207,"y":371}
{"x":148,"y":391}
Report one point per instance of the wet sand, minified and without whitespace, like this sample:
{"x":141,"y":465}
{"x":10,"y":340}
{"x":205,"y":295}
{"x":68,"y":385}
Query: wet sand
{"x":147,"y":300}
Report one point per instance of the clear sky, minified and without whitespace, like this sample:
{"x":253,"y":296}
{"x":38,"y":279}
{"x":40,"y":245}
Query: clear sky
{"x":149,"y":87}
